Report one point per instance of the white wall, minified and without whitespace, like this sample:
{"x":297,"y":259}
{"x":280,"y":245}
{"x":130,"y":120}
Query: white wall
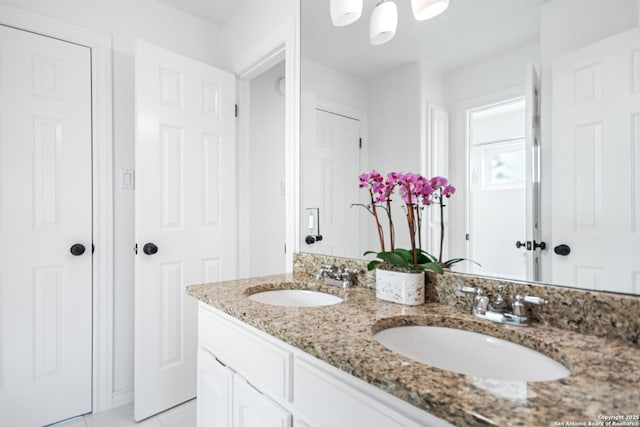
{"x":333,"y":85}
{"x":566,"y":25}
{"x":254,"y":24}
{"x":432,"y":85}
{"x":125,"y":21}
{"x":394,"y":120}
{"x":266,"y":170}
{"x":395,"y":131}
{"x":492,"y":74}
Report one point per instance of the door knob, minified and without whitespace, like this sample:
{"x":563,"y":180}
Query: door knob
{"x":150,"y":249}
{"x":77,"y":249}
{"x":563,"y":250}
{"x":541,"y":245}
{"x":520,"y":244}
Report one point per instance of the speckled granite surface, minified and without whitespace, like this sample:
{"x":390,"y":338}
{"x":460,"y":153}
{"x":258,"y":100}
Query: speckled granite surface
{"x":605,"y":376}
{"x":587,"y":312}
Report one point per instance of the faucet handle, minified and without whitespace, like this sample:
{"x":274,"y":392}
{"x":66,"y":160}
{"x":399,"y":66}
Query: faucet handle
{"x":534,"y":300}
{"x":324,"y":269}
{"x":518,"y":307}
{"x":466,"y":289}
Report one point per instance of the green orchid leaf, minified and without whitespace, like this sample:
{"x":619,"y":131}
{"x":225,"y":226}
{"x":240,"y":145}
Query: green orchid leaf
{"x":452,"y":261}
{"x":393,"y":258}
{"x":424,"y":257}
{"x":372,"y":265}
{"x":433,"y":266}
{"x":405,"y":253}
{"x":369,"y":253}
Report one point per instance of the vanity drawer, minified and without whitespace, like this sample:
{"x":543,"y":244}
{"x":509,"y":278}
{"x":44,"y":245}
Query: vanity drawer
{"x":245,"y":350}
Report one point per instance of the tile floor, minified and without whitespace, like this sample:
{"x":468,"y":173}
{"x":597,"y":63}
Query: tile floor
{"x":181,"y":416}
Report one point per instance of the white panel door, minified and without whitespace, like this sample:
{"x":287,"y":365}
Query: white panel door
{"x":185,"y":211}
{"x":596,"y":165}
{"x":331,"y":166}
{"x":45,"y":208}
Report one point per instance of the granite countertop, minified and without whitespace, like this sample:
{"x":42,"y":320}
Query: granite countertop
{"x":605,"y":379}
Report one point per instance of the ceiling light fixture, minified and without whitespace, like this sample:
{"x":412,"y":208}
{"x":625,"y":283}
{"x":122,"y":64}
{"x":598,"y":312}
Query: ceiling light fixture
{"x":427,"y":9}
{"x":383,"y":23}
{"x":345,"y":12}
{"x":384,"y":18}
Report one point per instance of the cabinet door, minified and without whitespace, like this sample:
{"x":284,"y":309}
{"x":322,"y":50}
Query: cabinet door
{"x":253,"y":409}
{"x":215,"y":389}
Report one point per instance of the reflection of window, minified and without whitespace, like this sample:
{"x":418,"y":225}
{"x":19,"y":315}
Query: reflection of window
{"x":504,"y":165}
{"x":496,"y":134}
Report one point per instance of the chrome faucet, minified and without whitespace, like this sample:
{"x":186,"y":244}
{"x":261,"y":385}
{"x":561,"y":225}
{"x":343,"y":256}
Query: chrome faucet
{"x":337,"y":276}
{"x":497,"y":309}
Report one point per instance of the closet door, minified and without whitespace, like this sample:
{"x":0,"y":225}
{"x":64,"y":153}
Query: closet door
{"x":186,"y":215}
{"x":45,"y":229}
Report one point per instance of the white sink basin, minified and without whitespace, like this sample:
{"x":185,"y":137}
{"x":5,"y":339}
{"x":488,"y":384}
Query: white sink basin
{"x":471,"y":353}
{"x":295,"y":298}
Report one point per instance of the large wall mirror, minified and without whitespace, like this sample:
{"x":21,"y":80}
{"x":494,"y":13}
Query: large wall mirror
{"x":531,"y":109}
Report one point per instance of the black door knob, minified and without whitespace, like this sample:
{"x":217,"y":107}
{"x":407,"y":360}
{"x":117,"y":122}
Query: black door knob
{"x":520,"y":244}
{"x":541,"y":245}
{"x":77,"y":249}
{"x":563,"y":250}
{"x":150,"y":249}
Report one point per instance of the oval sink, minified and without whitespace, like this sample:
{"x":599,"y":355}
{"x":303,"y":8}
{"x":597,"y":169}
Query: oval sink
{"x":471,"y":353}
{"x":295,"y":298}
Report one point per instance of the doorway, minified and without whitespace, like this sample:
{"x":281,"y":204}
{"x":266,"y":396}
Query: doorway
{"x":267,"y":100}
{"x":265,"y":173}
{"x":46,"y":228}
{"x":497,"y":198}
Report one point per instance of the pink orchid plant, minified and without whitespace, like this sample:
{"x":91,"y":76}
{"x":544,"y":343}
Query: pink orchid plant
{"x":416,"y":192}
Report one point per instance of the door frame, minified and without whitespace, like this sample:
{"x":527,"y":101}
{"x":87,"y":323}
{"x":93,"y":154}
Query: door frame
{"x":281,"y":44}
{"x":102,"y":185}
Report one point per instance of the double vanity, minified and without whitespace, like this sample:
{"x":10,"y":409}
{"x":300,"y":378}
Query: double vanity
{"x":290,"y":350}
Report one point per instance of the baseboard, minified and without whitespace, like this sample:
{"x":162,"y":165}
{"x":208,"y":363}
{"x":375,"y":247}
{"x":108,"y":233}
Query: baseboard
{"x":122,"y":397}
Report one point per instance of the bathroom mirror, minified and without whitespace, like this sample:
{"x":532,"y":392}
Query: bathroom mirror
{"x":531,"y":108}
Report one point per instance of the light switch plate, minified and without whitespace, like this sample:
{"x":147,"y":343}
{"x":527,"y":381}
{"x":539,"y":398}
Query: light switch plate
{"x":127,"y":179}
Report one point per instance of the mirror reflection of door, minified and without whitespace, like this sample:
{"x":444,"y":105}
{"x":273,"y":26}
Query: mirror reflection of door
{"x":596,"y":201}
{"x":330,"y":160}
{"x":497,"y":200}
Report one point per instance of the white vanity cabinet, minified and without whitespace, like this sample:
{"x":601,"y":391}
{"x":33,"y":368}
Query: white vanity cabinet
{"x":226,"y":399}
{"x":254,"y":409}
{"x":247,"y":378}
{"x":215,"y":391}
{"x":227,"y":356}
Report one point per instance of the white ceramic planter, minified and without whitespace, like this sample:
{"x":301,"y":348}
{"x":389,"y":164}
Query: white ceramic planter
{"x":399,"y":287}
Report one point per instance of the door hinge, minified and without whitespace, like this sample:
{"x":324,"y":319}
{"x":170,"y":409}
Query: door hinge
{"x":135,"y":249}
{"x":285,"y":248}
{"x":236,"y":111}
{"x":360,"y":143}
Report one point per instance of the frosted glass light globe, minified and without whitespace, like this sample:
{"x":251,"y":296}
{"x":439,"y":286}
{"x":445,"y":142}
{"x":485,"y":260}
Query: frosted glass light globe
{"x":383,"y":23}
{"x":427,"y":9}
{"x":345,"y":12}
